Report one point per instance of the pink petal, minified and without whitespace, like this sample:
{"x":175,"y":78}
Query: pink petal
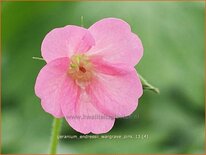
{"x":49,"y":85}
{"x":116,"y":90}
{"x":83,"y":116}
{"x":64,"y":42}
{"x":115,"y":42}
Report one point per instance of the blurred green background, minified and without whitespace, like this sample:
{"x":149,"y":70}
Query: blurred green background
{"x":173,"y":37}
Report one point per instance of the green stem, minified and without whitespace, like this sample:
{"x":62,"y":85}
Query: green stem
{"x":37,"y":58}
{"x":82,"y":21}
{"x":55,"y":132}
{"x":148,"y":86}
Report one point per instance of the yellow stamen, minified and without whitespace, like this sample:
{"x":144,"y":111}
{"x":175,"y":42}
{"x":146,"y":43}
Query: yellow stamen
{"x":80,"y":69}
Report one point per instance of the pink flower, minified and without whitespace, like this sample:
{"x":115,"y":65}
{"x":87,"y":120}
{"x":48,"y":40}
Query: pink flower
{"x":90,"y":77}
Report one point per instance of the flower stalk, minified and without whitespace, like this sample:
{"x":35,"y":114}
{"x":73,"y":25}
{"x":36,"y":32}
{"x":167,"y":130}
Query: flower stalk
{"x":55,"y":132}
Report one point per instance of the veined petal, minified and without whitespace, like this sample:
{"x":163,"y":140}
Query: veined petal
{"x":83,"y":116}
{"x":115,"y":42}
{"x":115,"y":91}
{"x":50,"y":84}
{"x":66,"y":41}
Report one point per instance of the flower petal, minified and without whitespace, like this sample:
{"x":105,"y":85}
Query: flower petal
{"x":83,"y":116}
{"x":115,"y":42}
{"x":64,"y":42}
{"x":116,"y":90}
{"x":49,"y":84}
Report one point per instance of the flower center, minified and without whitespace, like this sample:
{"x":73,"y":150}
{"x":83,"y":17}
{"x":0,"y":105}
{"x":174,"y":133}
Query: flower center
{"x":80,"y":69}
